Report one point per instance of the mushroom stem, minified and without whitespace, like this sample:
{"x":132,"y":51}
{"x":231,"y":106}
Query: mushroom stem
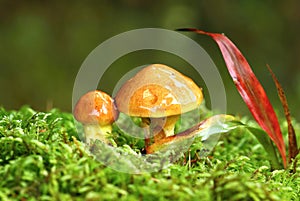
{"x":145,"y":124}
{"x":95,"y":132}
{"x":165,"y":126}
{"x":160,"y":128}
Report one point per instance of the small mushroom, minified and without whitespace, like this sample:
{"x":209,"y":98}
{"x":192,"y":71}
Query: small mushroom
{"x":96,"y":111}
{"x":158,"y":94}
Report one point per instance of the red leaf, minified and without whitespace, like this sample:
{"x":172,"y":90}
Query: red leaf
{"x":249,"y":88}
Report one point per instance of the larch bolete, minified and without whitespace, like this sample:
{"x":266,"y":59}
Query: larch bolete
{"x":159,"y":95}
{"x":96,"y":111}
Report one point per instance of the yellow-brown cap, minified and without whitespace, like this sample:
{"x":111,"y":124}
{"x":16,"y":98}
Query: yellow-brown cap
{"x":158,"y":91}
{"x":96,"y":107}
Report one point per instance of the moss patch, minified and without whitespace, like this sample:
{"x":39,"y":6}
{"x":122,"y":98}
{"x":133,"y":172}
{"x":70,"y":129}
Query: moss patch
{"x":42,"y":158}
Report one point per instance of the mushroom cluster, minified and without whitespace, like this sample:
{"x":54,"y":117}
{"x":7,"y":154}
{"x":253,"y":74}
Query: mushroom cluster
{"x":157,"y":94}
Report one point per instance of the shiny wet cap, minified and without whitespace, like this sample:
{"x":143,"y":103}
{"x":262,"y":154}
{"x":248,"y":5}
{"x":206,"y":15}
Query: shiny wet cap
{"x":96,"y":107}
{"x":158,"y":91}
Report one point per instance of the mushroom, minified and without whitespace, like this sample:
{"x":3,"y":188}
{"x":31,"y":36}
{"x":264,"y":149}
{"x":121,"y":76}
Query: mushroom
{"x":96,"y":111}
{"x":158,"y":94}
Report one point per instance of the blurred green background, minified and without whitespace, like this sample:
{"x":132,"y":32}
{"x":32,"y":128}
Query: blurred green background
{"x":43,"y":44}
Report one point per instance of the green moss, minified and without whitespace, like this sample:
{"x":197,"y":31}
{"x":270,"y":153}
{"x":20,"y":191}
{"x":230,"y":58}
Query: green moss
{"x":41,"y":158}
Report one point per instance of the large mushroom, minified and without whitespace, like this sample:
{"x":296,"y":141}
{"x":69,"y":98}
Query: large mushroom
{"x":158,"y":94}
{"x":96,"y":111}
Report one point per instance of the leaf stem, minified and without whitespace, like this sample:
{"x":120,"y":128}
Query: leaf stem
{"x":293,"y":147}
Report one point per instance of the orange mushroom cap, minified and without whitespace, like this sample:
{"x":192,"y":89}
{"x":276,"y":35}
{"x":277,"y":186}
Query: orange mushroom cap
{"x":158,"y":91}
{"x":96,"y":107}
